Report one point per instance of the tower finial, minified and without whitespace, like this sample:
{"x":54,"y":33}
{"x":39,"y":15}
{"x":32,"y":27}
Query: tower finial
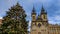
{"x":33,"y":10}
{"x":42,"y":10}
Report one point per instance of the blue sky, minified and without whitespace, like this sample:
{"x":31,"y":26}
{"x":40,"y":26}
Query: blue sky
{"x":51,"y":6}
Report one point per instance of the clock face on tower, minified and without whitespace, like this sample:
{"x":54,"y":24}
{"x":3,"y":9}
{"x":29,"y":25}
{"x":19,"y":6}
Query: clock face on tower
{"x":39,"y":24}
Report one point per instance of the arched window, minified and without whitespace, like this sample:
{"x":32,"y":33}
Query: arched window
{"x":39,"y":25}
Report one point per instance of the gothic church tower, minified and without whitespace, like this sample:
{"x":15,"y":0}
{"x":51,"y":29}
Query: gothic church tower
{"x":39,"y":22}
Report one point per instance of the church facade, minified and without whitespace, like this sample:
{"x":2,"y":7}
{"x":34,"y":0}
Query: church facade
{"x":40,"y":25}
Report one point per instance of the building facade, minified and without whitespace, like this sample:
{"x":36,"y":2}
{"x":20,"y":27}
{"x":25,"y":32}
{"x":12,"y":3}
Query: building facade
{"x":1,"y":22}
{"x":40,"y":25}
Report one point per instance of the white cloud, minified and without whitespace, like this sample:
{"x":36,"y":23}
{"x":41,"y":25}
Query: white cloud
{"x":1,"y":18}
{"x":52,"y":22}
{"x":57,"y":17}
{"x":54,"y":19}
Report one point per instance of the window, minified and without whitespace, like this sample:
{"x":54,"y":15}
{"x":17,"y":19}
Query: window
{"x":44,"y":17}
{"x":39,"y":25}
{"x":33,"y":17}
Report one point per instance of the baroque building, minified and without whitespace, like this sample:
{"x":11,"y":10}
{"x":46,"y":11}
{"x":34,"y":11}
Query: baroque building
{"x":40,"y":25}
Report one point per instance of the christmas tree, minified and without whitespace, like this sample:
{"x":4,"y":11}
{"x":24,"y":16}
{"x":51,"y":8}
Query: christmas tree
{"x":15,"y":21}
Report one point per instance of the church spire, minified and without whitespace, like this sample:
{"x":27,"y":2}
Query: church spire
{"x":33,"y":10}
{"x":42,"y":10}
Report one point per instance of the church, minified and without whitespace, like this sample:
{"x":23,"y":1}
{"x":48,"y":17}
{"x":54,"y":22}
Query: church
{"x":40,"y":24}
